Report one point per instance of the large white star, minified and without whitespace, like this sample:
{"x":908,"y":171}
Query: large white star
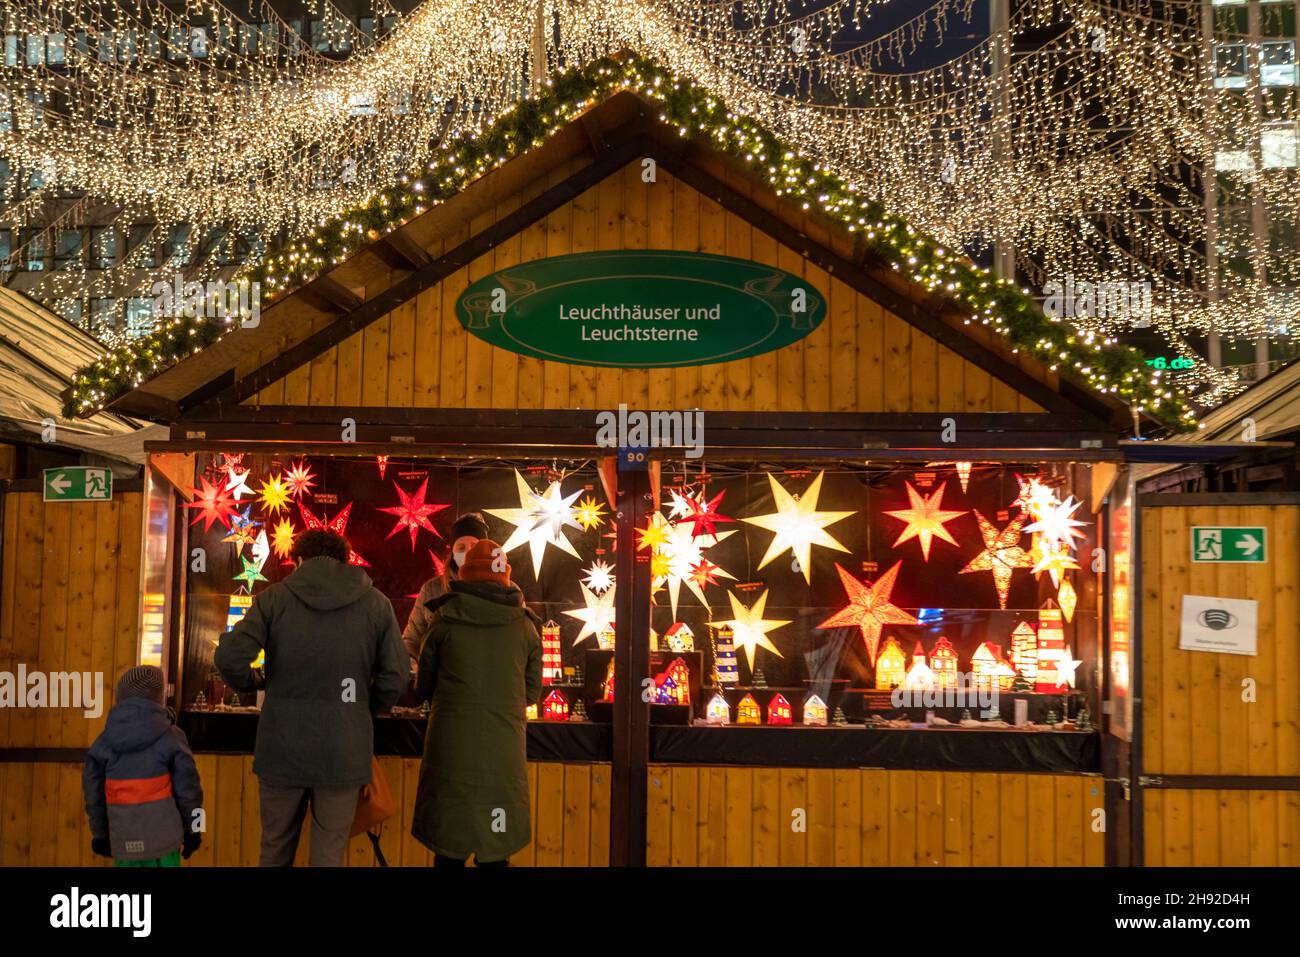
{"x":798,"y":525}
{"x":679,"y":556}
{"x":598,"y":615}
{"x":749,"y":627}
{"x":1065,"y":668}
{"x":539,"y":521}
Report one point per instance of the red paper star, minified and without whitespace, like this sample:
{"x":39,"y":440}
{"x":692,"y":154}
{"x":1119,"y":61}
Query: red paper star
{"x":869,"y":607}
{"x":299,"y":479}
{"x":413,"y":513}
{"x":925,"y":519}
{"x":338,"y":523}
{"x":214,"y":503}
{"x":702,"y":573}
{"x":704,"y":515}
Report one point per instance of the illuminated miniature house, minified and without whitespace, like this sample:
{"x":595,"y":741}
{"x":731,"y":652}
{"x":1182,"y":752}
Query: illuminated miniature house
{"x":530,"y":713}
{"x":673,"y":686}
{"x":748,"y":711}
{"x":605,"y":638}
{"x":919,"y":677}
{"x":724,"y":657}
{"x":552,"y":669}
{"x":779,"y":711}
{"x":989,"y":669}
{"x":555,"y":707}
{"x":718,"y":711}
{"x":679,"y":638}
{"x":891,"y":665}
{"x":239,"y":605}
{"x":1051,"y":649}
{"x":1024,"y":651}
{"x":814,"y":712}
{"x":943,"y":663}
{"x":607,"y":687}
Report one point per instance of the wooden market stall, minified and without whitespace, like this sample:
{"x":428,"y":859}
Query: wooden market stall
{"x":391,"y":353}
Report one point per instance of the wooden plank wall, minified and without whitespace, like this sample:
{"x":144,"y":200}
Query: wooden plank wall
{"x":43,"y":822}
{"x":1196,"y":717}
{"x":69,"y":601}
{"x":740,"y":816}
{"x":420,"y":356}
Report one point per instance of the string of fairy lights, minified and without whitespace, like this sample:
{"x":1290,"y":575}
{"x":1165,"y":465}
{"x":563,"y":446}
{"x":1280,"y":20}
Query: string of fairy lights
{"x":1075,"y":152}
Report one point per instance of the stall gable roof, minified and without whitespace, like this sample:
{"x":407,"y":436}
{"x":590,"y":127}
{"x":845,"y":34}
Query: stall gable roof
{"x":622,"y":128}
{"x":39,"y":352}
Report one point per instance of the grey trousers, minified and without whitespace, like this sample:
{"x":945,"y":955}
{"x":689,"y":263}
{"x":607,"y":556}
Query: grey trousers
{"x":283,"y":812}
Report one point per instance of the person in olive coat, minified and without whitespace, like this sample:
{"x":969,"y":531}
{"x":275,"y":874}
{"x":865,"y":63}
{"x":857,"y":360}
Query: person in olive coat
{"x":334,"y":658}
{"x":480,"y":667}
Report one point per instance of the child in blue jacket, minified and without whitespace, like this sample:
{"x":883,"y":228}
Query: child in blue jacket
{"x":143,"y":795}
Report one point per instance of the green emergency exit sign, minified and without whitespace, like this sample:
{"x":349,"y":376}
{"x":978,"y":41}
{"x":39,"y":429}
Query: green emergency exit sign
{"x":78,"y":484}
{"x":1229,"y":543}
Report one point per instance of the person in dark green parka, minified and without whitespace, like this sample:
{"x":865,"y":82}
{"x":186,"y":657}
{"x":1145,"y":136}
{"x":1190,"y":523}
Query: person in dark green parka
{"x":480,"y":667}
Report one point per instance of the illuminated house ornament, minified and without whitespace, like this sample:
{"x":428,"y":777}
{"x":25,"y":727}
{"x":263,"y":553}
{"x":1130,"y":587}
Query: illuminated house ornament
{"x":607,"y":686}
{"x":538,"y":521}
{"x":797,"y":525}
{"x":925,"y":519}
{"x":1051,"y":651}
{"x":919,"y":677}
{"x":989,"y":669}
{"x":943,"y":663}
{"x":749,"y":627}
{"x":413,"y":513}
{"x":599,"y":577}
{"x":300,"y":479}
{"x":339,"y":523}
{"x":673,"y":686}
{"x":679,"y":637}
{"x":869,"y":607}
{"x":274,"y":495}
{"x":238,"y":608}
{"x":1067,"y":598}
{"x":552,"y":669}
{"x":718,"y":711}
{"x":814,"y":712}
{"x":725,"y":667}
{"x":779,"y":711}
{"x":606,"y":638}
{"x":530,"y":712}
{"x":213,"y":504}
{"x":1002,"y":554}
{"x":748,"y":711}
{"x":891,"y":665}
{"x":1024,"y":651}
{"x":555,"y":707}
{"x":597,"y":616}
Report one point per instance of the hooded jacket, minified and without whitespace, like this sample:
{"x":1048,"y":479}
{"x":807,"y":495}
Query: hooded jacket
{"x":334,"y":658}
{"x":480,"y":667}
{"x":141,"y":786}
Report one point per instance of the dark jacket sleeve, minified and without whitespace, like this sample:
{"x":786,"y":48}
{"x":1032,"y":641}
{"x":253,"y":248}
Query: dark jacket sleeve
{"x":426,"y":679}
{"x":239,"y":648}
{"x":92,"y":786}
{"x":533,"y":670}
{"x":392,"y":663}
{"x":186,"y":786}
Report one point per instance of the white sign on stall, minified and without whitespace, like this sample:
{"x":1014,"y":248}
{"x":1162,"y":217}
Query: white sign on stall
{"x":1222,"y":625}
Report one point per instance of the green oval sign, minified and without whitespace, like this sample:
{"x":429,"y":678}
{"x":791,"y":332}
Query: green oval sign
{"x":641,"y":309}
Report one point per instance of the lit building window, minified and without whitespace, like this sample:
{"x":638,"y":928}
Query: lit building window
{"x":35,"y":49}
{"x":1230,"y":66}
{"x":67,"y":254}
{"x":1277,"y":66}
{"x":1278,"y":146}
{"x":139,"y":317}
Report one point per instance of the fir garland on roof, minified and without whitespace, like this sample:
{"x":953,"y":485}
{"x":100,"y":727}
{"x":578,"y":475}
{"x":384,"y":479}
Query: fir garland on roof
{"x":1106,"y":365}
